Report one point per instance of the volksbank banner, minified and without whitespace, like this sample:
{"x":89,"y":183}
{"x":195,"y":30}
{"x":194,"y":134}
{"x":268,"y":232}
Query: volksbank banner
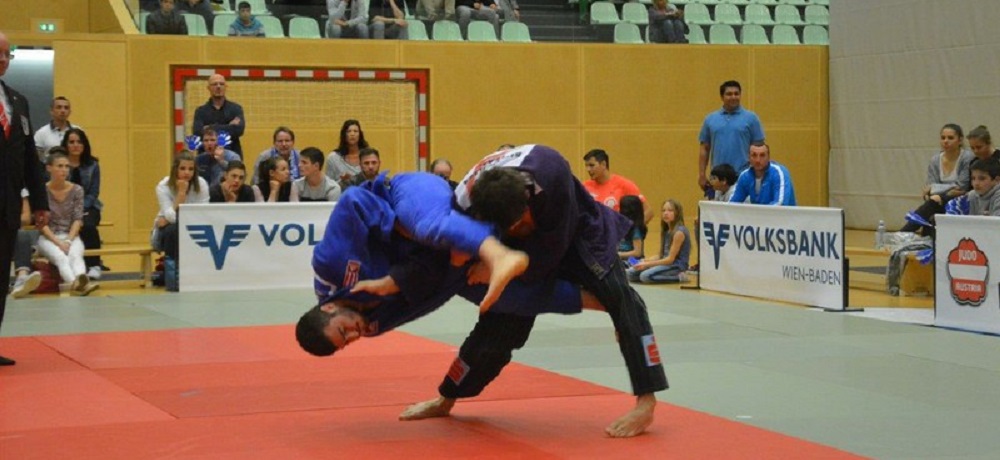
{"x":967,"y":257}
{"x":228,"y":247}
{"x":794,"y":254}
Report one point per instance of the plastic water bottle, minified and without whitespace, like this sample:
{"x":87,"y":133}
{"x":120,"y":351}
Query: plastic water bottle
{"x":880,"y":235}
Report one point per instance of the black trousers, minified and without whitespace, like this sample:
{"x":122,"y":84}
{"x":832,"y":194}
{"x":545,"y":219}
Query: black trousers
{"x":90,"y":237}
{"x":8,"y":237}
{"x":927,"y":210}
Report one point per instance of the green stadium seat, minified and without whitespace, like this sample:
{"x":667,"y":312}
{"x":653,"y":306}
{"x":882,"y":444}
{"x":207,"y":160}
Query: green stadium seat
{"x":142,"y":21}
{"x":635,"y":13}
{"x":482,"y":31}
{"x":696,"y":13}
{"x":696,"y":35}
{"x":196,"y":25}
{"x":722,"y":34}
{"x":303,"y":27}
{"x":759,"y":14}
{"x":628,"y":33}
{"x":817,"y":15}
{"x":815,"y":35}
{"x":417,"y":29}
{"x":515,"y":32}
{"x":257,"y":7}
{"x":788,"y":14}
{"x":604,"y":13}
{"x":753,"y":34}
{"x":221,"y":23}
{"x":727,"y":14}
{"x":272,"y":27}
{"x":784,"y":35}
{"x":447,"y":31}
{"x":794,"y":2}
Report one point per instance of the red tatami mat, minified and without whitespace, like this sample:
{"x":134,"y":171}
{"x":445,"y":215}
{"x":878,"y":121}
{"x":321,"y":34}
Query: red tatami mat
{"x":250,"y":393}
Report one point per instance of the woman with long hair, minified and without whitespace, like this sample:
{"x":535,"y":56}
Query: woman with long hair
{"x":947,"y":178}
{"x":183,"y":185}
{"x":344,"y":163}
{"x":60,"y":238}
{"x":675,"y":250}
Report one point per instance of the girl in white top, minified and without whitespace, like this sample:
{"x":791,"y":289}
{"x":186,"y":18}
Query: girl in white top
{"x":60,"y":239}
{"x":345,"y":162}
{"x":947,"y":178}
{"x":183,"y":185}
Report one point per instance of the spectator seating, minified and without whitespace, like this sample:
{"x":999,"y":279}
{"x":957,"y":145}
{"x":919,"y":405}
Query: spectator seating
{"x":196,"y":25}
{"x":481,"y":31}
{"x":444,"y":30}
{"x":515,"y":32}
{"x":784,"y":35}
{"x":817,"y":15}
{"x":417,"y":30}
{"x":727,"y":14}
{"x":257,"y":8}
{"x":696,"y":35}
{"x":627,"y":33}
{"x":635,"y":13}
{"x":753,"y":34}
{"x":142,"y":21}
{"x":697,"y":13}
{"x":794,"y":2}
{"x":303,"y":27}
{"x":722,"y":34}
{"x":272,"y":26}
{"x":221,"y":23}
{"x":815,"y":35}
{"x":788,"y":14}
{"x":758,"y":14}
{"x":603,"y":13}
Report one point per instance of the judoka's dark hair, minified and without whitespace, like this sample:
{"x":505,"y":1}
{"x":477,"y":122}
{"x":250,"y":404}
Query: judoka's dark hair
{"x":500,"y":197}
{"x":309,"y":332}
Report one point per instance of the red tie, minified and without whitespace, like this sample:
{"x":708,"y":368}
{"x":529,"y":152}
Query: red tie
{"x":4,"y":121}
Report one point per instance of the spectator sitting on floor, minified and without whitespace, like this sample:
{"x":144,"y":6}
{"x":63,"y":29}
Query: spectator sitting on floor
{"x":213,"y":162}
{"x":232,"y":188}
{"x":633,"y":245}
{"x":675,"y":250}
{"x":274,"y":183}
{"x":314,"y":185}
{"x":246,"y":25}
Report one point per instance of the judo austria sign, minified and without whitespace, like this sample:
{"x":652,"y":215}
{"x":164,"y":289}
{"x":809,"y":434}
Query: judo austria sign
{"x":794,"y":254}
{"x":228,"y":247}
{"x":967,"y":257}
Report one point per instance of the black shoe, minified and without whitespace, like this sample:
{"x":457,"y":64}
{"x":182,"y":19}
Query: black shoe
{"x":7,"y":361}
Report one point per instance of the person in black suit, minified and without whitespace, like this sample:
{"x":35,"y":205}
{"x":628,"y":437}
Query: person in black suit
{"x":19,"y":168}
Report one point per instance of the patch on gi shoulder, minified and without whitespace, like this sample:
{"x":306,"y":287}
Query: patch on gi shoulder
{"x":458,"y":371}
{"x":351,"y":273}
{"x":651,"y":350}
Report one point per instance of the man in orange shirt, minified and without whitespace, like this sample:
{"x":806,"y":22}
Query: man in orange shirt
{"x":608,"y":189}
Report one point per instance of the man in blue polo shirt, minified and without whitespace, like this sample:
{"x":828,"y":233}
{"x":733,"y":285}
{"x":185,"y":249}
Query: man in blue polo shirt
{"x":766,"y":182}
{"x":726,"y":135}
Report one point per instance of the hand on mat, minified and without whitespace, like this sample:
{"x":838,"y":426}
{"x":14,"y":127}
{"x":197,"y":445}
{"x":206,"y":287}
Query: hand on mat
{"x":382,"y":287}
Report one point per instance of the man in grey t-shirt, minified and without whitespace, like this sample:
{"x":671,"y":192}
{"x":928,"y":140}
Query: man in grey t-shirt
{"x":314,"y":185}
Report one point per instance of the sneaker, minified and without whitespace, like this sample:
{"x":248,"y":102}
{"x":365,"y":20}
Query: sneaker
{"x":693,"y":270}
{"x":94,"y":273}
{"x":79,"y":285}
{"x":26,"y":284}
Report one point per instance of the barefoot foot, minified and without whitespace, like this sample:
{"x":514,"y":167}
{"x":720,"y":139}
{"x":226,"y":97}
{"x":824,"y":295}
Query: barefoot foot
{"x":505,"y":264}
{"x":636,"y":421}
{"x":438,"y":407}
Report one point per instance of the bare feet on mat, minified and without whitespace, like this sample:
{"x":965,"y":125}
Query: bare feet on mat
{"x":636,"y":421}
{"x":437,"y":407}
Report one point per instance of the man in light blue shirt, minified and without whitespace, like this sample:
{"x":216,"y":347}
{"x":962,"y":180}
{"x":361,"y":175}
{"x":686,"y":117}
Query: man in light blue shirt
{"x":726,"y":135}
{"x":766,"y":182}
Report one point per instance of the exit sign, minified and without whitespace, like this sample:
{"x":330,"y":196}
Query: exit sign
{"x":46,"y":26}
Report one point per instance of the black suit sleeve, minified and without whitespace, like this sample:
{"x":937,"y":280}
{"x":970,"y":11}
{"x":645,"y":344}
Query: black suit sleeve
{"x":38,"y":198}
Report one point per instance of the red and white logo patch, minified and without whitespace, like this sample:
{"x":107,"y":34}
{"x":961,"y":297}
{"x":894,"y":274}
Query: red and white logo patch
{"x":351,"y":273}
{"x":458,"y":371}
{"x":651,"y":350}
{"x":968,"y":273}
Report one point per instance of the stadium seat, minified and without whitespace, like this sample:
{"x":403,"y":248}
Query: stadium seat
{"x":482,"y":31}
{"x":221,"y":23}
{"x":740,"y":2}
{"x":817,"y":15}
{"x":303,"y":27}
{"x":759,"y":14}
{"x":821,"y":2}
{"x":142,"y":21}
{"x":722,"y":34}
{"x":787,"y":14}
{"x":727,"y":14}
{"x":815,"y":35}
{"x":784,"y":35}
{"x":767,"y":2}
{"x":272,"y":27}
{"x":604,"y":13}
{"x":446,"y":31}
{"x":635,"y":13}
{"x":196,"y":25}
{"x":627,"y":33}
{"x":753,"y":34}
{"x":418,"y":31}
{"x":794,"y":2}
{"x":515,"y":32}
{"x":696,"y":35}
{"x":696,"y":13}
{"x":257,"y":7}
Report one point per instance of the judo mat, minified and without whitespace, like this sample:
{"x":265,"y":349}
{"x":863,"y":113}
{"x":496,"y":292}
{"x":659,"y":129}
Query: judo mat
{"x":250,"y":392}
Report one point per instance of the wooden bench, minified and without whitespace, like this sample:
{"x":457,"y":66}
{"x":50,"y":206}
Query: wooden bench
{"x":145,"y":258}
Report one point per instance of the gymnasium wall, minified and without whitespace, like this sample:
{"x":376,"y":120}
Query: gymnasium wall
{"x":643,"y":104}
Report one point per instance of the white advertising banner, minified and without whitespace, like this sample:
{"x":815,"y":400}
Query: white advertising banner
{"x":793,"y":254}
{"x":967,"y":257}
{"x":228,"y":247}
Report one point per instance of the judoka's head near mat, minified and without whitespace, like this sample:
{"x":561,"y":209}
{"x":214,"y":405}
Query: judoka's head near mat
{"x":331,"y":326}
{"x":500,"y":196}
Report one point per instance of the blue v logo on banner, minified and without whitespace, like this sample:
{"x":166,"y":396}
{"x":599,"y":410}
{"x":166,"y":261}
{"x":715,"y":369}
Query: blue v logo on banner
{"x":716,"y":239}
{"x":232,"y":236}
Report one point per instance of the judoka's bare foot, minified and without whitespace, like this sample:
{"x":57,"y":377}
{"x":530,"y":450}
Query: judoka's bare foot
{"x":505,"y":264}
{"x":437,"y":407}
{"x":636,"y":421}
